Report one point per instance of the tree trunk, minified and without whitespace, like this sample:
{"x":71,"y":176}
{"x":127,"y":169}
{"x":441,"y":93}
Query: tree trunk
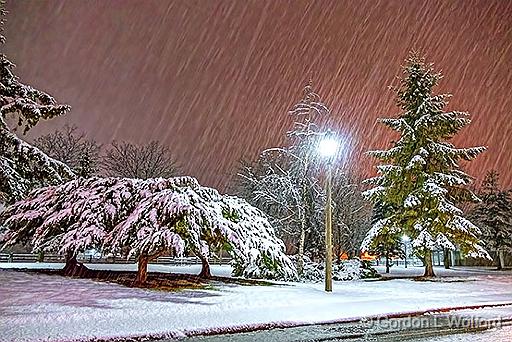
{"x":387,"y":262}
{"x":205,"y":267}
{"x":142,"y":270}
{"x":501,"y":259}
{"x":446,"y":258}
{"x":73,"y":268}
{"x":429,"y":268}
{"x":302,"y":239}
{"x":300,"y":254}
{"x":142,"y":266}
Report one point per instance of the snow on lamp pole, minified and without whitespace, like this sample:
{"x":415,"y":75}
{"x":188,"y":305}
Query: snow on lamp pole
{"x":405,"y":239}
{"x":327,"y":148}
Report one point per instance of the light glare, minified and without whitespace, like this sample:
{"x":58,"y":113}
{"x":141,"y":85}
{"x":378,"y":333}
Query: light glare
{"x":328,"y":147}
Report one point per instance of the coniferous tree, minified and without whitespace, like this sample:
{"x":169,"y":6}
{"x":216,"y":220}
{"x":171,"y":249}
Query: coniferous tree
{"x":494,"y":215}
{"x":23,"y":166}
{"x":419,"y":176}
{"x":388,"y":244}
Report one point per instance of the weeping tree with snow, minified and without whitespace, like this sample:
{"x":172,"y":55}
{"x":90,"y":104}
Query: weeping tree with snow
{"x":494,"y":215}
{"x":70,"y":218}
{"x":22,"y":166}
{"x":284,"y":183}
{"x":146,"y":219}
{"x":419,"y":176}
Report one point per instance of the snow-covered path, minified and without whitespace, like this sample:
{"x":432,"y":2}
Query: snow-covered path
{"x":43,"y":307}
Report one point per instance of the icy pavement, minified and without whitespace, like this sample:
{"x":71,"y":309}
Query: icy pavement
{"x":35,"y":307}
{"x":461,"y":325}
{"x":494,"y":335}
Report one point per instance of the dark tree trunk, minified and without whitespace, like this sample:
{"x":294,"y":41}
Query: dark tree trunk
{"x":73,"y":268}
{"x":205,"y":267}
{"x":500,"y":260}
{"x":142,"y":270}
{"x":387,"y":262}
{"x":429,"y":267}
{"x":446,"y":258}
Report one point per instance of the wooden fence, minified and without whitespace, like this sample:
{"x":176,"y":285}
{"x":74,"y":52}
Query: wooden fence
{"x":29,"y":258}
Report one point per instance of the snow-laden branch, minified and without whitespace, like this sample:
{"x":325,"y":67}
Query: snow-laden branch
{"x":147,"y":217}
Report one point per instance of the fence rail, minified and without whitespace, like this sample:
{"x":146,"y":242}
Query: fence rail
{"x":56,"y":258}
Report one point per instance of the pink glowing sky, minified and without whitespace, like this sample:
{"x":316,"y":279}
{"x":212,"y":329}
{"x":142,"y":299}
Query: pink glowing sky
{"x":213,"y":79}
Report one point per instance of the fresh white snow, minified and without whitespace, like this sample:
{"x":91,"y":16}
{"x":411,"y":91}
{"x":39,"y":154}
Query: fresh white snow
{"x":37,"y":307}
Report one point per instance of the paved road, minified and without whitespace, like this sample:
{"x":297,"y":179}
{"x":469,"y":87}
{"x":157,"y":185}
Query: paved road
{"x":491,"y":324}
{"x":503,"y":334}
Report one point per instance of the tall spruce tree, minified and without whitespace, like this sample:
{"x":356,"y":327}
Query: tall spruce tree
{"x":23,"y":166}
{"x":494,"y":215}
{"x":419,"y":176}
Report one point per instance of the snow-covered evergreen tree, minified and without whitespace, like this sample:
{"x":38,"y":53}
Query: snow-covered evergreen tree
{"x":285,"y":183}
{"x":419,"y":176}
{"x":494,"y":216}
{"x":145,"y":219}
{"x":388,"y":244}
{"x":23,"y":166}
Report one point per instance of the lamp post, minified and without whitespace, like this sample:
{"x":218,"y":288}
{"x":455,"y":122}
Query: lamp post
{"x":328,"y":148}
{"x":405,"y":239}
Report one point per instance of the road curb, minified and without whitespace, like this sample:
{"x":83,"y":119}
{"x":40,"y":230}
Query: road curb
{"x":237,"y":329}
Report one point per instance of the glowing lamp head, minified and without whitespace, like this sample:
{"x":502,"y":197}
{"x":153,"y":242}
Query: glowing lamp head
{"x":328,"y":147}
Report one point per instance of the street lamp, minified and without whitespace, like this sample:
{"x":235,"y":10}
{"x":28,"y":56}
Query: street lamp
{"x":327,"y":148}
{"x":405,"y":239}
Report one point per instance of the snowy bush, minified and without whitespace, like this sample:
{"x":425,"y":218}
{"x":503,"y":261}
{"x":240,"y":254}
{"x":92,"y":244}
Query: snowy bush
{"x":345,"y":270}
{"x":262,"y":255}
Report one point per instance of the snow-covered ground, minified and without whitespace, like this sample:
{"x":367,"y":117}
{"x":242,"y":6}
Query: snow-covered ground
{"x":42,"y":307}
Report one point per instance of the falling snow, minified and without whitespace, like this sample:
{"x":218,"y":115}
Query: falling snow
{"x":214,"y":79}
